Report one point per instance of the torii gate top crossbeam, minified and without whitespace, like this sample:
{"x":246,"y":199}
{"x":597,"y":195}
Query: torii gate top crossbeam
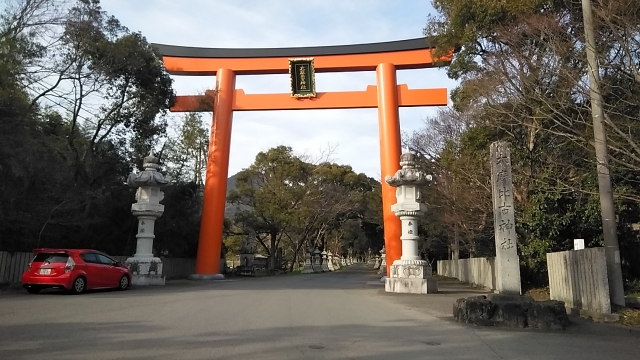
{"x":404,"y":54}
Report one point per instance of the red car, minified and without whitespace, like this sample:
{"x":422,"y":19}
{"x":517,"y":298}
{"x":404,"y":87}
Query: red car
{"x":75,"y":270}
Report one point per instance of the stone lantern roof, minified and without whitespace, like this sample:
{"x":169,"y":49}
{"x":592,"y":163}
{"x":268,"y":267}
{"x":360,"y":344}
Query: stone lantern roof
{"x":408,"y":174}
{"x":150,"y":175}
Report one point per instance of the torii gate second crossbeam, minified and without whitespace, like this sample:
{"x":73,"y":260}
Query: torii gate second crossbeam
{"x":384,"y":58}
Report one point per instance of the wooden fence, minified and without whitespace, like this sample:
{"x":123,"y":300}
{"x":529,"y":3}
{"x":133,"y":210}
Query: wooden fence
{"x":477,"y":271}
{"x":12,"y":265}
{"x":579,"y":278}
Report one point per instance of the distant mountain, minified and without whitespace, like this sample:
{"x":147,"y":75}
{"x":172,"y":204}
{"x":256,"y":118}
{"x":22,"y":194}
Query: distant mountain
{"x":231,"y":183}
{"x":231,"y":209}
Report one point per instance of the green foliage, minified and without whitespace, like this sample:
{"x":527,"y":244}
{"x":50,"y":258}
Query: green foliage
{"x":79,"y":102}
{"x":322,"y":205}
{"x":464,"y":24}
{"x":522,"y":71}
{"x":186,"y":155}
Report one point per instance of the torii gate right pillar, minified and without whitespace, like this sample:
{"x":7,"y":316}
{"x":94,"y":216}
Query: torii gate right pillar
{"x":389,"y":124}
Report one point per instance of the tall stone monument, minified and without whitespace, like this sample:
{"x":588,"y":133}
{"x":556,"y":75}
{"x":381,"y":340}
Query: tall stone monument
{"x":507,"y":261}
{"x":409,"y":274}
{"x":247,"y":256}
{"x":146,"y":269}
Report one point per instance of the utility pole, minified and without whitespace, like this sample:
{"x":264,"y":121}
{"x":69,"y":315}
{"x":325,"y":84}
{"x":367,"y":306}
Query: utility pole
{"x":609,"y":226}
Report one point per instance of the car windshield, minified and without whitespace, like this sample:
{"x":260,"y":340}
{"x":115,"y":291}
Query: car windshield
{"x":51,"y":257}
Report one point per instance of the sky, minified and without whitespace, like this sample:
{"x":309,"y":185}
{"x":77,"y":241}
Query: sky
{"x":351,"y":136}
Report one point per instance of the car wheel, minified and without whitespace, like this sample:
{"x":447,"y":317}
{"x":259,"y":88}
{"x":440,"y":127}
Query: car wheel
{"x":79,"y":285}
{"x":124,"y":283}
{"x":33,"y":289}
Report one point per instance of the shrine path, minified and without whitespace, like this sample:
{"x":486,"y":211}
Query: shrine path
{"x":317,"y":316}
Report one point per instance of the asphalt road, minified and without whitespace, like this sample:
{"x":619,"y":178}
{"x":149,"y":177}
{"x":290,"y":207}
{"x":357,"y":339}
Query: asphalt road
{"x":317,"y":316}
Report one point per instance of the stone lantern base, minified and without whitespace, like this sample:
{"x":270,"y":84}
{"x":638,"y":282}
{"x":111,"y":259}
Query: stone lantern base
{"x":376,"y":265}
{"x":383,"y":265}
{"x":325,"y":267}
{"x":317,"y":268}
{"x":145,"y":271}
{"x":330,"y":264}
{"x":308,"y":269}
{"x":411,"y":277}
{"x":336,"y":263}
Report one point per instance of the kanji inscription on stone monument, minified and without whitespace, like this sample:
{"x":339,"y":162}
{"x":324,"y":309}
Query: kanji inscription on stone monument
{"x":507,"y":261}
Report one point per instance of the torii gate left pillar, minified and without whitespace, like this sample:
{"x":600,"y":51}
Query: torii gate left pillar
{"x":387,"y":96}
{"x":215,"y":190}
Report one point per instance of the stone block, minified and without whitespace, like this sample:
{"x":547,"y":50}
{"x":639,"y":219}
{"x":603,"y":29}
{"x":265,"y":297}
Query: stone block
{"x":511,"y":314}
{"x":411,"y":285}
{"x":147,"y":279}
{"x":478,"y":311}
{"x":206,"y":277}
{"x":516,"y":312}
{"x":411,"y":271}
{"x":509,"y":298}
{"x":547,"y":315}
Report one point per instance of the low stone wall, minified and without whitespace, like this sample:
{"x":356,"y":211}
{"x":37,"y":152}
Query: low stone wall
{"x":12,"y":265}
{"x":579,"y":278}
{"x":477,"y":271}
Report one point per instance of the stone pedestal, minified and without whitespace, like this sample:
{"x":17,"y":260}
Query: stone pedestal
{"x":145,"y":268}
{"x":325,"y":262}
{"x":511,"y":311}
{"x":409,"y":274}
{"x":411,"y":277}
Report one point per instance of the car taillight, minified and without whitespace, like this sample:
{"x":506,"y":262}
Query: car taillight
{"x":70,"y":265}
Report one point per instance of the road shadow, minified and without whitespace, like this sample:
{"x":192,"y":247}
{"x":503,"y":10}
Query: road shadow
{"x":404,"y":339}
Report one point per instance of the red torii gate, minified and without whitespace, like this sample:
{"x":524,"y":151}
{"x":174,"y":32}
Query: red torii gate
{"x":225,"y":64}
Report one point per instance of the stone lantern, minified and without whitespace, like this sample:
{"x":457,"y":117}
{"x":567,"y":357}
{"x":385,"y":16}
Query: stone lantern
{"x":409,"y":274}
{"x":336,"y":262}
{"x":146,"y":269}
{"x":330,"y":264}
{"x":317,"y":261}
{"x":308,"y":266}
{"x":325,"y":261}
{"x":383,"y":262}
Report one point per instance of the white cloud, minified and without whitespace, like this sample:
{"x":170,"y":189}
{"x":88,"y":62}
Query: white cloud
{"x":259,"y":23}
